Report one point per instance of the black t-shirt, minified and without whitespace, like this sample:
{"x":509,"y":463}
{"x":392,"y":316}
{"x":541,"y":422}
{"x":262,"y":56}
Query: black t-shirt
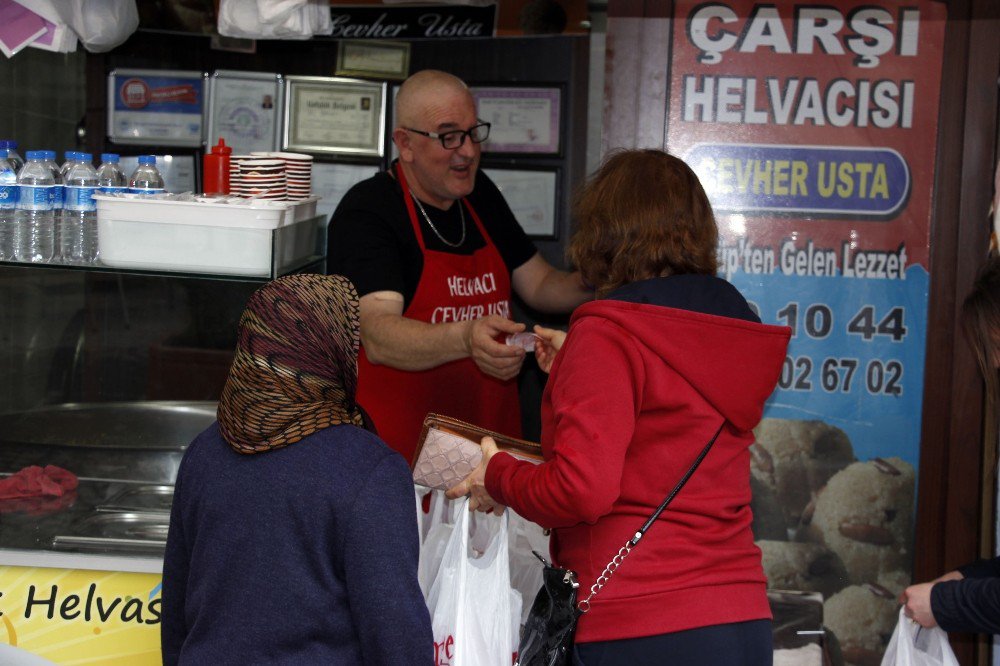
{"x":371,"y":241}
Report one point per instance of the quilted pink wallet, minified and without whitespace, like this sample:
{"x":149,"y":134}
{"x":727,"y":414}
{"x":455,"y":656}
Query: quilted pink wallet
{"x":449,"y":450}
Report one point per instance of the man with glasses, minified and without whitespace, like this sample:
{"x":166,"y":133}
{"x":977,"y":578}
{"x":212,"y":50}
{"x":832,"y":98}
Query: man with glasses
{"x":435,"y":252}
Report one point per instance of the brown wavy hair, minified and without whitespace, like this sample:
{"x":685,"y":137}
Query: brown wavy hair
{"x":980,"y":320}
{"x":643,"y":214}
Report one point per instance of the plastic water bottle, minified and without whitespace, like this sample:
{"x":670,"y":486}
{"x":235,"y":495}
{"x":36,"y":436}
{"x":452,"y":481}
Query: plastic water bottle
{"x":146,"y":179}
{"x":78,"y":227}
{"x":8,"y":202}
{"x":110,"y":177}
{"x":8,"y":149}
{"x":57,"y":194}
{"x":71,"y":157}
{"x":34,"y":220}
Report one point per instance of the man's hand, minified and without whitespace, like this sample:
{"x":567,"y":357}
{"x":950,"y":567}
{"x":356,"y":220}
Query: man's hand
{"x":391,"y":339}
{"x":916,"y":601}
{"x":494,"y":358}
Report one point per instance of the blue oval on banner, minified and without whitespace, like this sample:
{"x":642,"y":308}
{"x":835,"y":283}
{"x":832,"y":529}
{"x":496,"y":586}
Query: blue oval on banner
{"x":817,"y":181}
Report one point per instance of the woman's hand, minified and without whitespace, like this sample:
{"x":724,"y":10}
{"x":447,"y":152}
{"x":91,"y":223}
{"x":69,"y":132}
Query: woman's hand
{"x":549,"y":342}
{"x":474,"y":485}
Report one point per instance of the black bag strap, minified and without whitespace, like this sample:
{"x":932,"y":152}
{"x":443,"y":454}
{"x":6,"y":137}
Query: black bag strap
{"x":616,"y":561}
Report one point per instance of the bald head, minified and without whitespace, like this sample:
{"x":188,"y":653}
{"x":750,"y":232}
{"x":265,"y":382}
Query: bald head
{"x":422,"y":90}
{"x":430,"y":104}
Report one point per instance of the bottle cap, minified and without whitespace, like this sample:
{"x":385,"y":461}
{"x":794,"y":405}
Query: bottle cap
{"x":49,"y":154}
{"x":36,"y":154}
{"x":72,"y":155}
{"x":221,"y":148}
{"x":85,"y":157}
{"x":147,"y":159}
{"x":109,"y":157}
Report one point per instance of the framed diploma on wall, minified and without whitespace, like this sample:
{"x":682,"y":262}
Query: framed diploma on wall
{"x":331,"y":181}
{"x":245,"y":109}
{"x":522,"y":120}
{"x":334,"y":116}
{"x":156,"y":107}
{"x":531,"y":195}
{"x":393,"y":119}
{"x":380,"y":59}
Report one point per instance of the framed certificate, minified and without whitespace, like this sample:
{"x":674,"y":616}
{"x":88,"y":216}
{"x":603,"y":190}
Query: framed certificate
{"x":156,"y":107}
{"x":531,"y":195}
{"x":393,"y":94}
{"x":334,"y":116}
{"x":523,"y":120}
{"x":331,"y":182}
{"x":379,"y":59}
{"x":245,"y":109}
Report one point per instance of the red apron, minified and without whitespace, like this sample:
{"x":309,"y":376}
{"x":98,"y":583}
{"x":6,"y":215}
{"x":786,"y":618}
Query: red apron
{"x":452,"y":287}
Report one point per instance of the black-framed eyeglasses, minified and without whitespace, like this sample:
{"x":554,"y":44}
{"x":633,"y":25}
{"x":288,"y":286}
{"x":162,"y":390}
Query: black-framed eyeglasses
{"x":454,"y":139}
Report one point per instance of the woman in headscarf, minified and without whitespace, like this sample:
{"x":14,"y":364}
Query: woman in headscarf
{"x":292,"y":534}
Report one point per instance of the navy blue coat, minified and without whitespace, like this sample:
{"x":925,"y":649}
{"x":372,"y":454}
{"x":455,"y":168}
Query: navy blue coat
{"x":300,"y":555}
{"x":971,"y":604}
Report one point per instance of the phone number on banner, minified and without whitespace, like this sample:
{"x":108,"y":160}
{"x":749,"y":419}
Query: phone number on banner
{"x":841,"y":374}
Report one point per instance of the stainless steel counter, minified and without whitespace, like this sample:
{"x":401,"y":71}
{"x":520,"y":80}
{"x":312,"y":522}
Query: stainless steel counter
{"x":123,"y":441}
{"x":126,"y":457}
{"x":118,"y":519}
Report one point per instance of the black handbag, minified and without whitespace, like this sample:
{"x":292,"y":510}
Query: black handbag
{"x":547,"y":639}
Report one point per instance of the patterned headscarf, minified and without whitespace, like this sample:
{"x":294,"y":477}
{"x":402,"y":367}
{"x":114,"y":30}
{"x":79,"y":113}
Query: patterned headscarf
{"x":296,"y":365}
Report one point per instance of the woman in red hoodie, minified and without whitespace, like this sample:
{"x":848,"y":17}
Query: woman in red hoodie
{"x":666,"y":355}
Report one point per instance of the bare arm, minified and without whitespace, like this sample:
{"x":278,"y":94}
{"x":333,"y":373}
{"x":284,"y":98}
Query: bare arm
{"x":546,"y":288}
{"x":391,"y":339}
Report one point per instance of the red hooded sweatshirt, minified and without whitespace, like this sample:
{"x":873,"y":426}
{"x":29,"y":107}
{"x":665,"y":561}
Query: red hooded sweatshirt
{"x":635,"y":393}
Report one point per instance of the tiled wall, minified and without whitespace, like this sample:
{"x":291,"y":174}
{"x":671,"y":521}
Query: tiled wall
{"x":42,"y":99}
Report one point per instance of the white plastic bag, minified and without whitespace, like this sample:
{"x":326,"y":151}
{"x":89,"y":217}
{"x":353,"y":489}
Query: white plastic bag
{"x":274,"y":19}
{"x":469,"y":600}
{"x":913,"y":645}
{"x":439,"y":510}
{"x":438,"y":522}
{"x":101,"y":25}
{"x":525,"y":568}
{"x":516,"y":603}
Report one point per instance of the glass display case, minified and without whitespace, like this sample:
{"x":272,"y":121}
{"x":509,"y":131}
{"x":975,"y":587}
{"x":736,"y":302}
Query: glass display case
{"x":107,"y":374}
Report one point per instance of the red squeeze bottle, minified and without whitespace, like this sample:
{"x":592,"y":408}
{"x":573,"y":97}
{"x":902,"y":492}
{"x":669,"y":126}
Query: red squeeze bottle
{"x":216,"y":168}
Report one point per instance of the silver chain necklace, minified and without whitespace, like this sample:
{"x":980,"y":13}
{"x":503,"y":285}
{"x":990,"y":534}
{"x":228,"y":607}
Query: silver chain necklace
{"x":437,"y":233}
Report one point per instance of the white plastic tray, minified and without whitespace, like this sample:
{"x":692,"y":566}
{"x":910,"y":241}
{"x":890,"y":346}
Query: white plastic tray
{"x":258,"y":214}
{"x":218,"y":239}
